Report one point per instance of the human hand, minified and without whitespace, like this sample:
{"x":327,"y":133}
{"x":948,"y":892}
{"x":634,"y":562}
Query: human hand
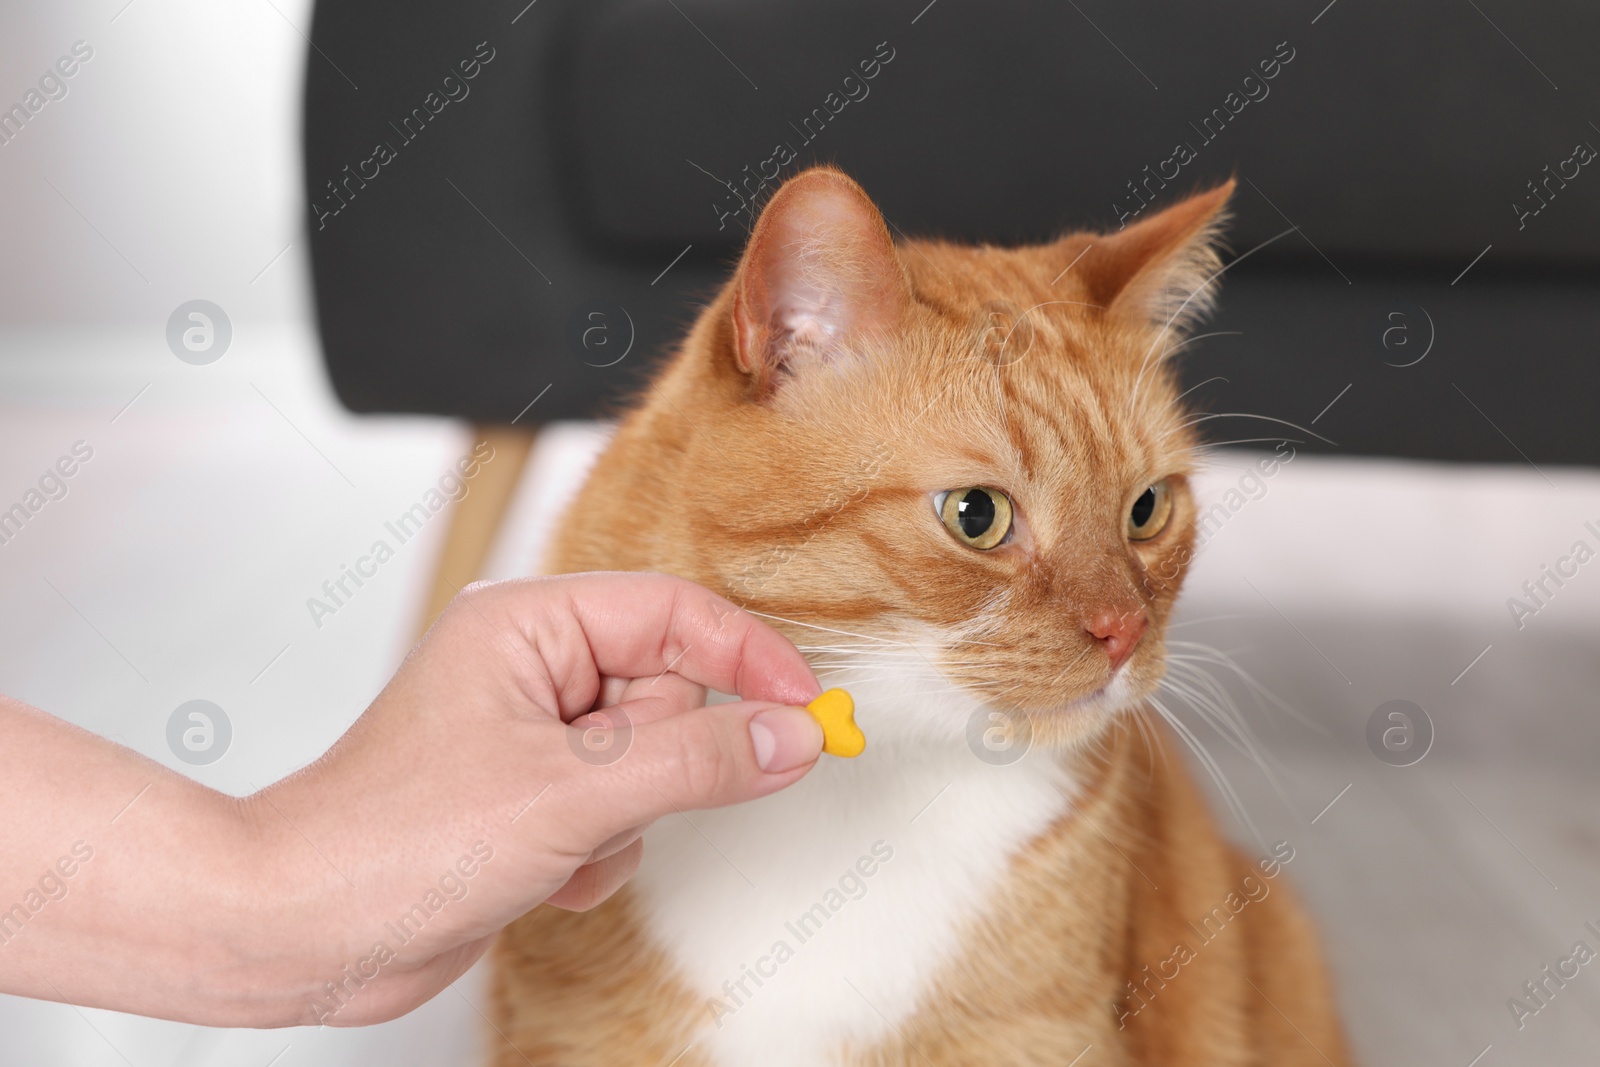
{"x":464,"y":779}
{"x":359,"y":887}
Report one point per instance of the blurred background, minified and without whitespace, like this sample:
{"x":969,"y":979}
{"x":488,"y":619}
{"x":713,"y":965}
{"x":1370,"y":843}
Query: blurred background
{"x":260,"y":338}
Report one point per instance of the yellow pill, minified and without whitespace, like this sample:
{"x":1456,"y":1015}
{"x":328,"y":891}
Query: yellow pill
{"x":836,"y":713}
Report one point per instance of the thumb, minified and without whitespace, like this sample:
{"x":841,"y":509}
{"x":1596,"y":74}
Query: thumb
{"x":705,"y":758}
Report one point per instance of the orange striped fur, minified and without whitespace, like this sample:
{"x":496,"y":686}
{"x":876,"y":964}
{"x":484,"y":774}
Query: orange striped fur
{"x":787,"y":458}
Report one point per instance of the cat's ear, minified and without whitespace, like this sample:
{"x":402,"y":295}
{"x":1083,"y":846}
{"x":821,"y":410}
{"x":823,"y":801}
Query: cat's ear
{"x":1160,"y":271}
{"x":820,"y":271}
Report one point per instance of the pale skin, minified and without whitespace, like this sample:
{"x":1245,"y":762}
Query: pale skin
{"x":205,"y":908}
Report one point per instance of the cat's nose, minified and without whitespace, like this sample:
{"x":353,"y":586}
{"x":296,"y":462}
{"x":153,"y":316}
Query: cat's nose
{"x":1118,"y":632}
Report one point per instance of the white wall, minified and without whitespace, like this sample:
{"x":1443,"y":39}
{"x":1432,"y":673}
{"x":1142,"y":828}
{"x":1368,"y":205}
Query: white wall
{"x":178,"y":141}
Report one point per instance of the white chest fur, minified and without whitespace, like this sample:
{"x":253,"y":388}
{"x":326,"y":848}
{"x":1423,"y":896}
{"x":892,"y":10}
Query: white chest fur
{"x":812,"y":921}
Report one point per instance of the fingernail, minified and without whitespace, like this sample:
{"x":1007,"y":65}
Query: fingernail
{"x":784,"y":739}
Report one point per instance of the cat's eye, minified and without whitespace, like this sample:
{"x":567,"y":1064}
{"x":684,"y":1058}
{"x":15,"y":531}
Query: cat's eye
{"x":979,"y":518}
{"x":1150,"y":511}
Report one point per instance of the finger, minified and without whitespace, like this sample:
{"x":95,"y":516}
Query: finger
{"x":669,"y":684}
{"x":611,"y":692}
{"x":703,"y":758}
{"x":587,"y":626}
{"x":618,"y":842}
{"x":594,"y":882}
{"x":640,"y":700}
{"x":649,"y":699}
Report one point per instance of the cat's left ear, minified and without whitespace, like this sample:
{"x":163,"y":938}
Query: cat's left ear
{"x":820,"y":271}
{"x":1160,"y":271}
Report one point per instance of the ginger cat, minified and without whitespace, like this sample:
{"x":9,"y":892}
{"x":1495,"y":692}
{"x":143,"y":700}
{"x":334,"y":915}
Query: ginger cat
{"x":961,"y":474}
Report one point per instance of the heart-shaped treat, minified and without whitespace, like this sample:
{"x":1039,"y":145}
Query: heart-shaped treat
{"x":836,"y":712}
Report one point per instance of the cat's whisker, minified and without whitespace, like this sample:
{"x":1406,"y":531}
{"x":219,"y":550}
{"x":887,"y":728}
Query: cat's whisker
{"x":1248,"y":441}
{"x":1147,"y":730}
{"x":1196,"y":659}
{"x":893,"y":656}
{"x":1199,"y":652}
{"x":879,"y":664}
{"x":841,"y":665}
{"x":888,"y":657}
{"x":1196,"y":420}
{"x":988,"y":696}
{"x":1187,"y":341}
{"x":956,"y":639}
{"x":1213,"y":702}
{"x":919,"y":688}
{"x":1193,"y":622}
{"x":1208,"y":381}
{"x":1062,"y":673}
{"x":1210,"y":654}
{"x":1232,"y":731}
{"x":857,"y":645}
{"x":875,"y":651}
{"x":941,"y":667}
{"x":829,"y":629}
{"x":1217,"y":703}
{"x":1202,"y":290}
{"x":1212,"y":768}
{"x":1197,"y":666}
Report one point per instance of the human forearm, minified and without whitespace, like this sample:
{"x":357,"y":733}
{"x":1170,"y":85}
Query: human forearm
{"x":130,"y":886}
{"x":357,"y":888}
